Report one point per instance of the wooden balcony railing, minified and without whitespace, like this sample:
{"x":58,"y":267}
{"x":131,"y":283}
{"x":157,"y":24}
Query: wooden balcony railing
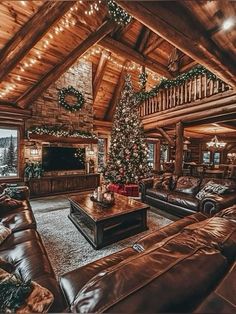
{"x":192,"y":90}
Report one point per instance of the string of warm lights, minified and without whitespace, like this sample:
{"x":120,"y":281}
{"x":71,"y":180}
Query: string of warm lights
{"x":93,"y":8}
{"x":66,"y":22}
{"x":132,"y":67}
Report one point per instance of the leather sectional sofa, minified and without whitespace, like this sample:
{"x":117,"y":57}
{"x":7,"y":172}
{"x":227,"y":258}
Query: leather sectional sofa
{"x":180,"y":197}
{"x":187,"y":266}
{"x":24,"y":249}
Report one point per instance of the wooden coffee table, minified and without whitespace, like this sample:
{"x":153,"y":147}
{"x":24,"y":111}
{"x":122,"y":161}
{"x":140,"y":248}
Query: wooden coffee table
{"x":103,"y":226}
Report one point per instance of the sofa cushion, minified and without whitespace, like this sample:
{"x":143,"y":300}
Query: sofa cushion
{"x":20,"y":220}
{"x":163,"y":181}
{"x":4,"y":233}
{"x":183,"y":200}
{"x":188,"y":185}
{"x":160,"y":194}
{"x":7,"y":204}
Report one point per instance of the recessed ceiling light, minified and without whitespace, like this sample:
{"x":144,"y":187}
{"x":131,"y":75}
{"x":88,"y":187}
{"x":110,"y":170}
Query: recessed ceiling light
{"x":227,"y":24}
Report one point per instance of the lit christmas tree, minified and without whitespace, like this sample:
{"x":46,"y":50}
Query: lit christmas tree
{"x":128,"y":156}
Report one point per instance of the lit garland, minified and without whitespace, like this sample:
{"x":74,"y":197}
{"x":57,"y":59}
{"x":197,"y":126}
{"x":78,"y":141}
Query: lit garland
{"x":178,"y":81}
{"x":117,"y":13}
{"x":58,"y":131}
{"x":143,"y":79}
{"x":70,"y":90}
{"x":132,"y":67}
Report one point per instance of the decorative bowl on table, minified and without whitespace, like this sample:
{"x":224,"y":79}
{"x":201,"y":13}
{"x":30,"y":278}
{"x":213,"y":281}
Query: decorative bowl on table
{"x":104,"y":200}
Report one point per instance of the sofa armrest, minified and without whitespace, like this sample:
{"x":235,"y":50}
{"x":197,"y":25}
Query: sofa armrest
{"x":213,"y":203}
{"x":145,"y":184}
{"x":18,"y":192}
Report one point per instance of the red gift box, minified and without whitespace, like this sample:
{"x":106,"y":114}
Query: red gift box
{"x":114,"y":187}
{"x":132,"y":190}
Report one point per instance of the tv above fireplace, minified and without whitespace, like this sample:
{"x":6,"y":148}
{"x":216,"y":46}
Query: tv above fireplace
{"x":63,"y":158}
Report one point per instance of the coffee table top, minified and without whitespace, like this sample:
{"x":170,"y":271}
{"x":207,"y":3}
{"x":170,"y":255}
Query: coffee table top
{"x":123,"y":205}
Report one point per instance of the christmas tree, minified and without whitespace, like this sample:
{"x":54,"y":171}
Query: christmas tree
{"x":11,"y":158}
{"x":127,"y":162}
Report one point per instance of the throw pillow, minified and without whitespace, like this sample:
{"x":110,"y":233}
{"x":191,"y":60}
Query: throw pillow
{"x":7,"y":203}
{"x":166,"y":183}
{"x":2,"y":187}
{"x":157,"y":182}
{"x":6,"y":265}
{"x":18,"y":193}
{"x":4,"y":233}
{"x":211,"y":188}
{"x":188,"y":185}
{"x":19,"y":296}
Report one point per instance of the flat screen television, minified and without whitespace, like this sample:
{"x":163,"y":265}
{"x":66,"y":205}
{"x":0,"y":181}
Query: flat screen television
{"x":63,"y":158}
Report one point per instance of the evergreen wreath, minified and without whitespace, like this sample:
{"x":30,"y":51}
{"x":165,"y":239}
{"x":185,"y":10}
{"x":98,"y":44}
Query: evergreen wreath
{"x":70,"y":90}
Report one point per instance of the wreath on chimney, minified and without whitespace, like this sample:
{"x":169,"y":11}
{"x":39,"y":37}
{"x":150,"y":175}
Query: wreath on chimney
{"x":63,"y":98}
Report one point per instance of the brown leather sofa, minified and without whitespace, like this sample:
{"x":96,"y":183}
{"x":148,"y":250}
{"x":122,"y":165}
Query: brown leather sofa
{"x":188,"y":266}
{"x":24,"y":249}
{"x":180,"y":198}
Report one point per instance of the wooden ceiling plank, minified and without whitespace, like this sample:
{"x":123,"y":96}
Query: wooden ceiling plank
{"x":133,"y":55}
{"x":142,"y":39}
{"x":100,"y":73}
{"x":35,"y":91}
{"x":22,"y":42}
{"x":182,"y":31}
{"x":153,"y":45}
{"x":112,"y":105}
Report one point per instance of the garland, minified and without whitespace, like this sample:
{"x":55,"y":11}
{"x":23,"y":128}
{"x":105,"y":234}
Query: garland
{"x":70,"y":90}
{"x":117,"y":13}
{"x":58,"y":131}
{"x":143,"y":79}
{"x":178,"y":81}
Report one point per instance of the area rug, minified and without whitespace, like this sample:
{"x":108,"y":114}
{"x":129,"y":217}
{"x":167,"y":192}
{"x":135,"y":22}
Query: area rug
{"x":67,"y":248}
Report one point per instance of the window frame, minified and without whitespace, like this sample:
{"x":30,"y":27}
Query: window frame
{"x":19,"y":153}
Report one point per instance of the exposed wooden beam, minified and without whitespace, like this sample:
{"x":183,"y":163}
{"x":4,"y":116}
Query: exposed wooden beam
{"x":35,"y":91}
{"x":153,"y":45}
{"x":179,"y":151}
{"x":142,"y":39}
{"x":116,"y":95}
{"x":100,"y":73}
{"x":122,"y":30}
{"x":133,"y":55}
{"x":32,"y":31}
{"x":166,"y":136}
{"x":179,"y":27}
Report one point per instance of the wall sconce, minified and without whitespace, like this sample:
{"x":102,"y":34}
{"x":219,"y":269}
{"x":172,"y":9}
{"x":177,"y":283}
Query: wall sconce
{"x":34,"y":151}
{"x":90,"y":150}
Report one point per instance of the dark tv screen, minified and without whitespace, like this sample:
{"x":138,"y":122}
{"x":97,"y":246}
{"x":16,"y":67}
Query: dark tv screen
{"x":63,"y":158}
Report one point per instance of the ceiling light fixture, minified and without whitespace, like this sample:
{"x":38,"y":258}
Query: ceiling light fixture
{"x":215,"y":144}
{"x":227,"y":24}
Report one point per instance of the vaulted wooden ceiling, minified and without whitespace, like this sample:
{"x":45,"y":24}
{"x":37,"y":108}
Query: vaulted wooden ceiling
{"x":39,"y":40}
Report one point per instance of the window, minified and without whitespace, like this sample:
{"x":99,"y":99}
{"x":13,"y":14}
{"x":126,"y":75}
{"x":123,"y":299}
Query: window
{"x":151,"y":155}
{"x":206,"y":157}
{"x":101,"y":153}
{"x":216,"y":159}
{"x":164,"y":153}
{"x":8,"y":152}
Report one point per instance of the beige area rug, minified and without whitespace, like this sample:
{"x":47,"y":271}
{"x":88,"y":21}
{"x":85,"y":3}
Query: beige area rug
{"x":67,"y":248}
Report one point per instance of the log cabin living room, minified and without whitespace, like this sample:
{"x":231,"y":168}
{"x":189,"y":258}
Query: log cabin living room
{"x":118,"y":156}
